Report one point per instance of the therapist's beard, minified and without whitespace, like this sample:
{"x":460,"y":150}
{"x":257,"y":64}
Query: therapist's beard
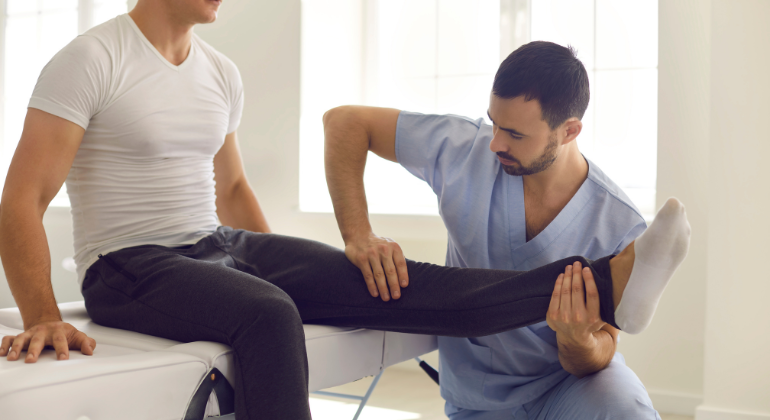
{"x":539,"y":165}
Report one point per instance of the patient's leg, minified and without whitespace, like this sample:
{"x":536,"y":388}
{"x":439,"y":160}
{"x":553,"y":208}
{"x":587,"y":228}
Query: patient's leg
{"x":198,"y":295}
{"x":452,"y":301}
{"x":449,"y":301}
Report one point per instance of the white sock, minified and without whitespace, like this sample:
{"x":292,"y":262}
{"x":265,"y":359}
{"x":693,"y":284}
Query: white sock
{"x":659,"y":251}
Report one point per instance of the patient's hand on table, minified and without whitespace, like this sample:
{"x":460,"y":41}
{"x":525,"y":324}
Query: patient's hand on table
{"x":382,"y":263}
{"x":57,"y":334}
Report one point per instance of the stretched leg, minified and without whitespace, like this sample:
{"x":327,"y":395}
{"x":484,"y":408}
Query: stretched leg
{"x":449,"y":301}
{"x":461,"y":301}
{"x":195,"y":294}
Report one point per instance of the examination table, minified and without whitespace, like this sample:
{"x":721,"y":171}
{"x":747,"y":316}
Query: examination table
{"x":133,"y":376}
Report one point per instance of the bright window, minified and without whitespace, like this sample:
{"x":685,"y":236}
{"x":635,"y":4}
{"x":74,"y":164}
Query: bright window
{"x":617,"y":41}
{"x":440,"y":56}
{"x":34,"y":31}
{"x":420,"y":55}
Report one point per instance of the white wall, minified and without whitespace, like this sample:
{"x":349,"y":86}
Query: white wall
{"x":737,"y":366}
{"x":668,"y":357}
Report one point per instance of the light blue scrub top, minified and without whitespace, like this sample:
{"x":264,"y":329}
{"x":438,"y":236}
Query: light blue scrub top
{"x":483,"y":210}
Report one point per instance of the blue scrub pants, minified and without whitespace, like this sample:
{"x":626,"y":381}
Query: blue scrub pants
{"x":613,"y":393}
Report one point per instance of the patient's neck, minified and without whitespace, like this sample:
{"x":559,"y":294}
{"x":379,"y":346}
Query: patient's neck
{"x":168,"y":33}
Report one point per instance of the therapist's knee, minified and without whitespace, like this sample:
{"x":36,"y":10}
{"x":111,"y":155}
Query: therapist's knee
{"x":615,"y":393}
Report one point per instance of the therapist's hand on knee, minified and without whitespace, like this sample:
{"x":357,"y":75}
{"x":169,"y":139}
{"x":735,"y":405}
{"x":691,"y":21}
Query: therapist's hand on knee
{"x":57,"y":334}
{"x":382,"y":263}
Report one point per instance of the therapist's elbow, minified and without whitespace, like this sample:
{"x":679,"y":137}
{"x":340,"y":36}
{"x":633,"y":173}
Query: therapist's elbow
{"x":340,"y":115}
{"x":345,"y":127}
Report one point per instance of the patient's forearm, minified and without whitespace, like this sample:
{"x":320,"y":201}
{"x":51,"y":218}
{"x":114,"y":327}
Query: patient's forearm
{"x":239,"y":209}
{"x":27,"y":262}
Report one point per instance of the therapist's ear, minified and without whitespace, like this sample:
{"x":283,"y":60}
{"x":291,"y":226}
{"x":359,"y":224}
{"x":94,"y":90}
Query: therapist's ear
{"x":571,"y":129}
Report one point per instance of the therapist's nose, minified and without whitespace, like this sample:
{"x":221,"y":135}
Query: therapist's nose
{"x":498,"y":144}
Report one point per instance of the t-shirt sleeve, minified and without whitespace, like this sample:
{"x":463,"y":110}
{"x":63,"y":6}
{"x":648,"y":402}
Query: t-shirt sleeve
{"x":75,"y":84}
{"x":429,"y":145}
{"x":235,"y":85}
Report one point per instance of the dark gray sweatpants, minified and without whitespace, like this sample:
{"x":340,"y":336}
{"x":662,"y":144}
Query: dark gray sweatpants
{"x":253,"y":291}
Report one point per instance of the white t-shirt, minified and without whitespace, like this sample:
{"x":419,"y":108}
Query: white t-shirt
{"x":144,"y":173}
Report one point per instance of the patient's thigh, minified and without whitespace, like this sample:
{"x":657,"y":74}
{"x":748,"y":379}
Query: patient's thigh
{"x":187,"y":295}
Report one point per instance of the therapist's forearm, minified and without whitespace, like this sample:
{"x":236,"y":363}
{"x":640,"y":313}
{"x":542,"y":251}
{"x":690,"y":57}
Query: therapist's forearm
{"x":345,"y":152}
{"x":587,"y":358}
{"x":27,"y":261}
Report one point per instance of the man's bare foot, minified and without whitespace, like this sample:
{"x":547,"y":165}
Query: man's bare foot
{"x":620,"y":268}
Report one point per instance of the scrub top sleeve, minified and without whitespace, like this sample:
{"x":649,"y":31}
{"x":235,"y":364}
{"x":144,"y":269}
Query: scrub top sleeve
{"x":430,"y":145}
{"x":74,"y":85}
{"x":631,"y":236}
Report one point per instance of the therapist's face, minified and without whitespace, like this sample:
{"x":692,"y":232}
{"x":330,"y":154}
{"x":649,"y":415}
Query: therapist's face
{"x":523,"y":141}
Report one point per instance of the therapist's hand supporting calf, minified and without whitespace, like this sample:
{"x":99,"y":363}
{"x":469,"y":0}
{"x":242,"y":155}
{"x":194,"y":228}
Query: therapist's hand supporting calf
{"x":586,"y":343}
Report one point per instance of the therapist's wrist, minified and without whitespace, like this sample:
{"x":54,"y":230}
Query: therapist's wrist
{"x":361,"y":232}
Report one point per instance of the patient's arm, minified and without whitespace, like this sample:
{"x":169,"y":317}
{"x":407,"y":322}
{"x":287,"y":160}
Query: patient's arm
{"x":39,"y":167}
{"x":352,"y":131}
{"x":237,"y":205}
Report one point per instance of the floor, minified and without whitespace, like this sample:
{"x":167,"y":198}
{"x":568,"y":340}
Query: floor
{"x":400,"y":395}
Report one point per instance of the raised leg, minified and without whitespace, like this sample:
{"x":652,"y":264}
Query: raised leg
{"x":448,"y":301}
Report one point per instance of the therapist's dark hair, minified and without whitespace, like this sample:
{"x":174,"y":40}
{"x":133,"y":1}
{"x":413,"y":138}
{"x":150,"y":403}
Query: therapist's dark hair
{"x":550,"y":73}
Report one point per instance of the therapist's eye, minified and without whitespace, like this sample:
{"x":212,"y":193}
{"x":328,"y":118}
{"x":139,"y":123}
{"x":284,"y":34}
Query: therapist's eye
{"x":514,"y":136}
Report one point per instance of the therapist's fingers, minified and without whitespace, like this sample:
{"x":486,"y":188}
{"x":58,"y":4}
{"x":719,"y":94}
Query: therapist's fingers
{"x":578,"y":297}
{"x":552,"y":316}
{"x":400,"y":261}
{"x":592,"y":295}
{"x":379,"y":276}
{"x":565,"y":306}
{"x":362,"y":263}
{"x":392,"y":276}
{"x":553,"y":307}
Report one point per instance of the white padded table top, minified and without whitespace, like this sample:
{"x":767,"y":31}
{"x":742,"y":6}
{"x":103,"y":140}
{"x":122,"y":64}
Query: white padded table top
{"x":133,"y":375}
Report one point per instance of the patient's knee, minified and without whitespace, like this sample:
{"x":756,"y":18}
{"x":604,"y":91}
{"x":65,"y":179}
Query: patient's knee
{"x":274,"y":313}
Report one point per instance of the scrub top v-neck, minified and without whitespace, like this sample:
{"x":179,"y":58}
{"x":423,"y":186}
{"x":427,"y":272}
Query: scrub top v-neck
{"x":483,"y":210}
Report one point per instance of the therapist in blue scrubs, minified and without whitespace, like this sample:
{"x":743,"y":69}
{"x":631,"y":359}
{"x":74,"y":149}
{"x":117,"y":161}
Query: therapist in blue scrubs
{"x":515,"y":195}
